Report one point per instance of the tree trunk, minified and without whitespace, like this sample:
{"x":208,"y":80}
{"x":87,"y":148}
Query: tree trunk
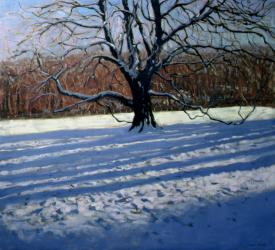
{"x":142,"y":107}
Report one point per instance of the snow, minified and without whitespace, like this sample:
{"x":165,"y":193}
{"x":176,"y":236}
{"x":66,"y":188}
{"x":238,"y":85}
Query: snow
{"x":88,"y":183}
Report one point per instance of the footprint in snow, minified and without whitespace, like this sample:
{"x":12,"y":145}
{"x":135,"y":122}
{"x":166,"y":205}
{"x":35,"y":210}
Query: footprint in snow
{"x":145,"y":200}
{"x":92,"y":208}
{"x":103,"y":223}
{"x":123,"y":200}
{"x":170,"y":202}
{"x":179,"y":191}
{"x":160,"y":193}
{"x":136,"y":209}
{"x":92,"y":199}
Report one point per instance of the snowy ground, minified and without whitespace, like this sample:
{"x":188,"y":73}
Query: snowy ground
{"x":87,"y":183}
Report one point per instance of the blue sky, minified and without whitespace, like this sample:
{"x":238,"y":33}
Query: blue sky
{"x":10,"y":24}
{"x":7,"y":6}
{"x":12,"y":5}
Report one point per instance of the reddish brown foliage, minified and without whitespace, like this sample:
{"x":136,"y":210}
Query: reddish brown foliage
{"x":238,"y":82}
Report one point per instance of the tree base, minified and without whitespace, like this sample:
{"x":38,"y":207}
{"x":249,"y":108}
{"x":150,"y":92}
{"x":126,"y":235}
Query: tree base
{"x":142,"y":119}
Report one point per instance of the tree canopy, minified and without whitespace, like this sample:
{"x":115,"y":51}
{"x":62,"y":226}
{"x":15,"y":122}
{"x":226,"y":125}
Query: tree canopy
{"x":144,"y":41}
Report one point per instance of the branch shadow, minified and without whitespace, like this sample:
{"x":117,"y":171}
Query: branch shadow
{"x":121,"y":155}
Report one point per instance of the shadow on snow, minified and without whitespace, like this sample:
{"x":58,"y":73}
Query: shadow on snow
{"x":64,"y":160}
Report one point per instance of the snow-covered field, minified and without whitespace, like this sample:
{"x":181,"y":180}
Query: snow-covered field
{"x":87,"y":183}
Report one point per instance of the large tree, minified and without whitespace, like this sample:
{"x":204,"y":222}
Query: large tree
{"x":144,"y":40}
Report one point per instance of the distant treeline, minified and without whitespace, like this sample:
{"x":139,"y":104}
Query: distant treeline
{"x":232,"y":81}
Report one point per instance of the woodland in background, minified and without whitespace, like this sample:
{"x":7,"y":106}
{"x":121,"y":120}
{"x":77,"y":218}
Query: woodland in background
{"x":235,"y":81}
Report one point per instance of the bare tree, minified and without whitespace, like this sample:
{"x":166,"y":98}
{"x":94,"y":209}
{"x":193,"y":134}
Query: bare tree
{"x":143,"y":40}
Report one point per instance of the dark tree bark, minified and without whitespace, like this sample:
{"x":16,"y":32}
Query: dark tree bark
{"x":142,"y":107}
